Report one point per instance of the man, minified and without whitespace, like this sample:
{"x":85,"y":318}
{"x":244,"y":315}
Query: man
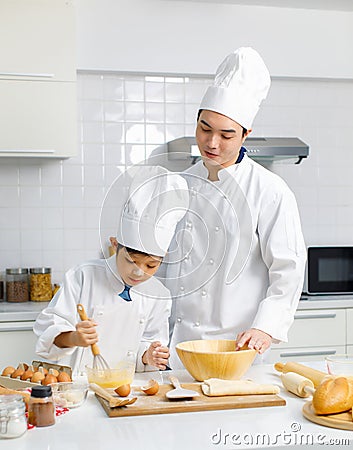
{"x":237,"y":264}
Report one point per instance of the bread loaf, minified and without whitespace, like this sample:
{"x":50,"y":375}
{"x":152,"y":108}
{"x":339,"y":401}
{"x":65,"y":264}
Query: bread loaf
{"x":333,"y":395}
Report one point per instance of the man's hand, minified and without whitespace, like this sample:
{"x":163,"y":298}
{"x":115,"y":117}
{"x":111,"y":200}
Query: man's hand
{"x":156,"y":355}
{"x":255,"y":339}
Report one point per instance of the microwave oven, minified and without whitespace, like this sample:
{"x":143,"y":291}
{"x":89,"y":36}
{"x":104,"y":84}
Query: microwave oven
{"x":329,"y":270}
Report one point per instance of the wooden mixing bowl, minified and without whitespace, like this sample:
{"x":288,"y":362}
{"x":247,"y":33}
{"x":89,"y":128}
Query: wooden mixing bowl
{"x":205,"y":359}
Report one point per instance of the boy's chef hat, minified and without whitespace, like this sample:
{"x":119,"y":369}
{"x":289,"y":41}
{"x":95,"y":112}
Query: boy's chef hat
{"x":241,"y":83}
{"x":157,"y":200}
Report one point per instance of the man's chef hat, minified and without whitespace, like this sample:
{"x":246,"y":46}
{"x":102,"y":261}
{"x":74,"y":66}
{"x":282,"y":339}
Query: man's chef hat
{"x":241,"y":83}
{"x":157,"y":201}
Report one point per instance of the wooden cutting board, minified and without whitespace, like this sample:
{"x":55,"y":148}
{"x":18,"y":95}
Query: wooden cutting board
{"x":159,"y":404}
{"x":341,"y":420}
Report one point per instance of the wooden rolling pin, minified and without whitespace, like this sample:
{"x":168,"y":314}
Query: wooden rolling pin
{"x":297,"y":384}
{"x":316,"y":376}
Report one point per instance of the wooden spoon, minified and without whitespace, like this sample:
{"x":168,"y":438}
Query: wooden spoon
{"x":113,"y":401}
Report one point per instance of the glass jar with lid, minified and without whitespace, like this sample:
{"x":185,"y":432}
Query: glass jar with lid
{"x":2,"y":290}
{"x":13,"y":422}
{"x":17,"y":285}
{"x":40,"y":284}
{"x":41,"y":410}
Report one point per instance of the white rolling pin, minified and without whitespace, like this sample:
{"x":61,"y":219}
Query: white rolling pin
{"x":297,"y":384}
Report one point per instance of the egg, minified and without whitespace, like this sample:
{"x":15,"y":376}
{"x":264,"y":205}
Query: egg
{"x":8,"y":371}
{"x":123,"y":391}
{"x":54,"y":372}
{"x":17,"y":373}
{"x":49,"y":379}
{"x":63,"y":377}
{"x":27,"y":374}
{"x":151,"y":388}
{"x":37,"y":377}
{"x":42,"y":370}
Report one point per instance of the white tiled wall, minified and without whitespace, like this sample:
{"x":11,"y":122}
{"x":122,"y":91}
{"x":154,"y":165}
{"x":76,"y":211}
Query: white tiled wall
{"x":49,"y":211}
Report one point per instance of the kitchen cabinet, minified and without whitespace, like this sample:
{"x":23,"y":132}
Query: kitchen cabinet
{"x":350,"y":328}
{"x":37,"y":40}
{"x":314,"y":334}
{"x":17,"y":343}
{"x":38,"y":79}
{"x":304,"y":354}
{"x":40,"y":119}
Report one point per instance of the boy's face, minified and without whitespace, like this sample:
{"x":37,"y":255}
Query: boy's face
{"x":135,"y":268}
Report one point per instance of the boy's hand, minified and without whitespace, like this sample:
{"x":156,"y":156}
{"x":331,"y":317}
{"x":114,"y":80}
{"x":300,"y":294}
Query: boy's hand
{"x":85,"y":333}
{"x":156,"y":355}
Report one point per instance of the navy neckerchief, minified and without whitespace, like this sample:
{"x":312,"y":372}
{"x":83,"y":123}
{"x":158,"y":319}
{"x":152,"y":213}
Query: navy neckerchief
{"x":241,"y":155}
{"x":126,"y":293}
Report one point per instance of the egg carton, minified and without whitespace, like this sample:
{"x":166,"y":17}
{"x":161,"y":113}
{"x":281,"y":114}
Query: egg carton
{"x":16,"y":383}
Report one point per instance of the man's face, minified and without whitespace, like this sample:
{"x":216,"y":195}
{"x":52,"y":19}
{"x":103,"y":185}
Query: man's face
{"x":219,"y":138}
{"x":135,"y":268}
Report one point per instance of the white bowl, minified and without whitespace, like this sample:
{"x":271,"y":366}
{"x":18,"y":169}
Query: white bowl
{"x":340,"y":364}
{"x":69,"y":394}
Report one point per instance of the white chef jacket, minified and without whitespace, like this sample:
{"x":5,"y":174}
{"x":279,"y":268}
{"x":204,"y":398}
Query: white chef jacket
{"x":123,"y":326}
{"x":239,"y":257}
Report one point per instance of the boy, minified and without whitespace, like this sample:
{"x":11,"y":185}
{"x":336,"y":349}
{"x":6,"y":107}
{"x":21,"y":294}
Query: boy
{"x":129,"y":308}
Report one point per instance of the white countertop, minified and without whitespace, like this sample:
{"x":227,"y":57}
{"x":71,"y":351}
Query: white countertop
{"x":28,"y":311}
{"x":88,"y":427}
{"x":13,"y":312}
{"x":325,"y":302}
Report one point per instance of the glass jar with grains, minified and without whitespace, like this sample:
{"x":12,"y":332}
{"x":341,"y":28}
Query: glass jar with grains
{"x":13,"y":422}
{"x":17,"y":285}
{"x":40,"y":284}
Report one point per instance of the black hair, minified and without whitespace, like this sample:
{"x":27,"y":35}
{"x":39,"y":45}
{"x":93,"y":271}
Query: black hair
{"x":198,"y":116}
{"x":132,"y":251}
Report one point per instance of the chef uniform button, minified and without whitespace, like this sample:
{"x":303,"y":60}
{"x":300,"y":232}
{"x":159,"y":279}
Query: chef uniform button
{"x":203,"y":293}
{"x":211,"y":261}
{"x":142,"y":320}
{"x":197,"y":324}
{"x":186,"y":257}
{"x":217,"y":228}
{"x":178,"y":319}
{"x":100,"y":313}
{"x":182,"y":288}
{"x":189,"y":225}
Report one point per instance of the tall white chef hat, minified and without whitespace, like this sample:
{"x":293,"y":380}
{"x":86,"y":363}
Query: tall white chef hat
{"x":241,"y":83}
{"x":157,"y":201}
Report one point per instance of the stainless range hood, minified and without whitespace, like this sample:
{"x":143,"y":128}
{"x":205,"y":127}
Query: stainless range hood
{"x":262,"y":149}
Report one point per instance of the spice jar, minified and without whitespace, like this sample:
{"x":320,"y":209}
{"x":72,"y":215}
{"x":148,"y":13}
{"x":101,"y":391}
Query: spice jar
{"x":40,"y":284}
{"x":41,"y":411}
{"x":1,"y":287}
{"x":13,"y":422}
{"x":17,"y":285}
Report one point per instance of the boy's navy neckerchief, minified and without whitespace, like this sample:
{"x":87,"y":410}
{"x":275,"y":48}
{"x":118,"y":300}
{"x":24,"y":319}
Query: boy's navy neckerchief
{"x":241,"y":155}
{"x":126,"y":293}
